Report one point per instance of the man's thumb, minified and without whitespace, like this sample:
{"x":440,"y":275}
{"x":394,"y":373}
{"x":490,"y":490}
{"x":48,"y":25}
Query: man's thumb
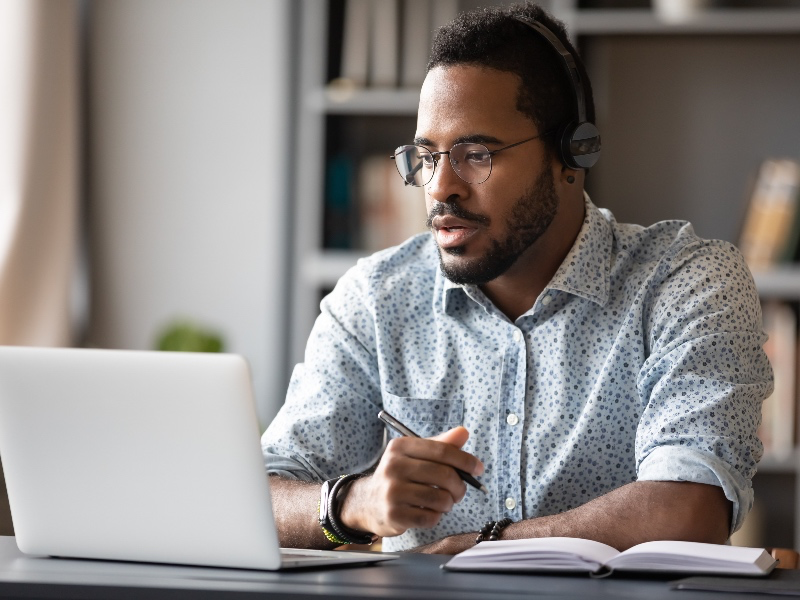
{"x":457,"y":436}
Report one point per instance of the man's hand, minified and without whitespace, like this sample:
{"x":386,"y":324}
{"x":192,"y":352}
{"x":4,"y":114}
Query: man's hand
{"x":414,"y":484}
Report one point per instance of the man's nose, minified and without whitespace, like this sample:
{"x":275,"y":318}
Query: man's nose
{"x":445,"y":185}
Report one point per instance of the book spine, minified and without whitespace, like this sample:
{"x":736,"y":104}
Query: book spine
{"x":338,"y":232}
{"x":389,"y":212}
{"x":778,"y":411}
{"x":384,"y":45}
{"x":771,"y":214}
{"x":788,"y":254}
{"x":356,"y":42}
{"x":444,"y":11}
{"x":416,"y":36}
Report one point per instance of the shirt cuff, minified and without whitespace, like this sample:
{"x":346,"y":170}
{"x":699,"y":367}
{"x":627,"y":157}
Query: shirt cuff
{"x":289,"y":468}
{"x":668,"y":463}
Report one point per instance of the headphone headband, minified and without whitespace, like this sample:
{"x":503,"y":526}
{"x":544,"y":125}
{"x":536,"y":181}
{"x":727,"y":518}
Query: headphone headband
{"x":580,"y":141}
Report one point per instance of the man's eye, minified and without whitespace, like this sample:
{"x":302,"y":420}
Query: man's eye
{"x":427,"y":160}
{"x":477,"y":157}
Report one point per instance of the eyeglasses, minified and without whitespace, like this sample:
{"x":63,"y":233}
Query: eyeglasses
{"x":471,"y":162}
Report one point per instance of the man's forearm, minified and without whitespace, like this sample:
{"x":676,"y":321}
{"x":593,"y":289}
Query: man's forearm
{"x":635,"y":513}
{"x":296,"y":507}
{"x":640,"y":512}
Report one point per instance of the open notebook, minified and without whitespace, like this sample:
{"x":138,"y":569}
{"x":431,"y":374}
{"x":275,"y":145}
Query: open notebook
{"x":139,"y":456}
{"x":579,"y":555}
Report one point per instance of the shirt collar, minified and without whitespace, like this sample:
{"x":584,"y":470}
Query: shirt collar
{"x":584,"y":271}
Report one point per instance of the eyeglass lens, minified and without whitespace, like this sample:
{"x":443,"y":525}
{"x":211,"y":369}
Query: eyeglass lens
{"x":416,"y":164}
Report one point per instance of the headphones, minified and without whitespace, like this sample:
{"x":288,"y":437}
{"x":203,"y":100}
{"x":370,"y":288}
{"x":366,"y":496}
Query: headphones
{"x":579,"y":143}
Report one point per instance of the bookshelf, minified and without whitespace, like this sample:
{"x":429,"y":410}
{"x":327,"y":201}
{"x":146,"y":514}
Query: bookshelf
{"x":777,"y":483}
{"x":624,"y":49}
{"x":322,"y":108}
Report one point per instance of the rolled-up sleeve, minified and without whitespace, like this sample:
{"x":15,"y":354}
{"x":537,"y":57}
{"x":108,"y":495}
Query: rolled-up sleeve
{"x":706,"y":375}
{"x":328,"y":425}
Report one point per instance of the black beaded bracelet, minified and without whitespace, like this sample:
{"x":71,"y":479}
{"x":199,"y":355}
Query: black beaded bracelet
{"x":492,"y":530}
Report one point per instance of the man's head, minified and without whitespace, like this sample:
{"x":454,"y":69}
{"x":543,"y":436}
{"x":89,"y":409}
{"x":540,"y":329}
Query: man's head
{"x":494,"y":38}
{"x":492,"y":80}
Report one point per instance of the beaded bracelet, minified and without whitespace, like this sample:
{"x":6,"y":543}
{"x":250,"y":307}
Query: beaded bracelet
{"x":492,"y":530}
{"x":332,"y":537}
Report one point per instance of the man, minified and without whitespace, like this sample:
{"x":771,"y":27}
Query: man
{"x":602,"y":380}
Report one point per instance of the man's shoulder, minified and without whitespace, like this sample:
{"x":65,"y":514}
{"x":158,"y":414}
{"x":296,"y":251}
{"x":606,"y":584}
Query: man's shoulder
{"x":416,"y":257}
{"x":670,"y":240}
{"x":410,"y":267}
{"x":669,"y":255}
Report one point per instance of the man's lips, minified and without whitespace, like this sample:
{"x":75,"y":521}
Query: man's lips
{"x":453,"y":225}
{"x":451,"y":231}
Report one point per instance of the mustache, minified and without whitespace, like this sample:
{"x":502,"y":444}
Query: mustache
{"x":456,"y":210}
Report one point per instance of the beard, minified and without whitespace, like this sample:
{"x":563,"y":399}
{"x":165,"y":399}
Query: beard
{"x":530,"y":217}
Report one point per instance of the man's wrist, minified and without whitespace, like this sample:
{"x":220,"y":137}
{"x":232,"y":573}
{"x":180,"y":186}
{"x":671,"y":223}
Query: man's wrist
{"x":351,"y":508}
{"x":336,"y":529}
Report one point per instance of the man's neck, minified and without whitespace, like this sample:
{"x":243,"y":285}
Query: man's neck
{"x":515,"y":291}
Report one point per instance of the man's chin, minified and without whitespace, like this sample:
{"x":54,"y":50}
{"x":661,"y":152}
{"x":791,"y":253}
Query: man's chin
{"x":455,"y":250}
{"x":460,"y":270}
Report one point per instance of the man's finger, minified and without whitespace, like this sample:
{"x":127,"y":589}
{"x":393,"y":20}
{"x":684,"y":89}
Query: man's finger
{"x":434,"y":451}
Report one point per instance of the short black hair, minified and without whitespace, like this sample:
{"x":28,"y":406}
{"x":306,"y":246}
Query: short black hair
{"x":491,"y":37}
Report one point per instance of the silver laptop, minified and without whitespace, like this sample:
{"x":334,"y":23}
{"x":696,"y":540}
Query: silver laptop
{"x":140,"y":456}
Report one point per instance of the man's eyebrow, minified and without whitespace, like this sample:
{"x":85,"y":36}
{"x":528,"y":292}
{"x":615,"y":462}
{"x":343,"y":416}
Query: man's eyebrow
{"x":475,"y":138}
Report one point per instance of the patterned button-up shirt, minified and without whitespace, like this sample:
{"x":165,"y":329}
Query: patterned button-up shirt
{"x":641,"y":360}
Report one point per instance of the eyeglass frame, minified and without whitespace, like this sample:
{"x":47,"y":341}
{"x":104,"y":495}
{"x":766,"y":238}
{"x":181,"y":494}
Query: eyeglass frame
{"x":437,"y":155}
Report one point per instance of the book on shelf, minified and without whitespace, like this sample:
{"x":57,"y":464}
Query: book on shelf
{"x":339,"y":219}
{"x":386,"y":43}
{"x":778,"y":412}
{"x":588,"y":556}
{"x":771,"y":229}
{"x":416,"y":38}
{"x":389,"y":212}
{"x":444,"y":11}
{"x":355,"y":42}
{"x":370,"y":43}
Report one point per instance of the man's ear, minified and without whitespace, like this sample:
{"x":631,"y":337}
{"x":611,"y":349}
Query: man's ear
{"x":570,"y":176}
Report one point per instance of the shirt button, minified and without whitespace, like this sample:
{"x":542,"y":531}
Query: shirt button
{"x":512,"y":419}
{"x":546,"y":300}
{"x":511,"y":504}
{"x":517,"y":335}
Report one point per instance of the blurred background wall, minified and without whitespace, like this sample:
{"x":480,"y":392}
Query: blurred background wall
{"x":144,"y":177}
{"x":187,"y":113}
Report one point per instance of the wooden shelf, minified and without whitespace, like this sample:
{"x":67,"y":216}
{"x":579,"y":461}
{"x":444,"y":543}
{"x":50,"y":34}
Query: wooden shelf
{"x":343,"y":100}
{"x":705,"y":22}
{"x":780,"y":282}
{"x":779,"y":465}
{"x":324,"y":268}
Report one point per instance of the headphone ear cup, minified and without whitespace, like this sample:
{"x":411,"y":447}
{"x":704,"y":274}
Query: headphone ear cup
{"x":580,"y":145}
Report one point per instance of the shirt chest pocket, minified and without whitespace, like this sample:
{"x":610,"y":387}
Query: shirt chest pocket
{"x":425,"y":416}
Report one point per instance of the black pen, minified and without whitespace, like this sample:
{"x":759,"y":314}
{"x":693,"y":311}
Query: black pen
{"x":403,"y":430}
